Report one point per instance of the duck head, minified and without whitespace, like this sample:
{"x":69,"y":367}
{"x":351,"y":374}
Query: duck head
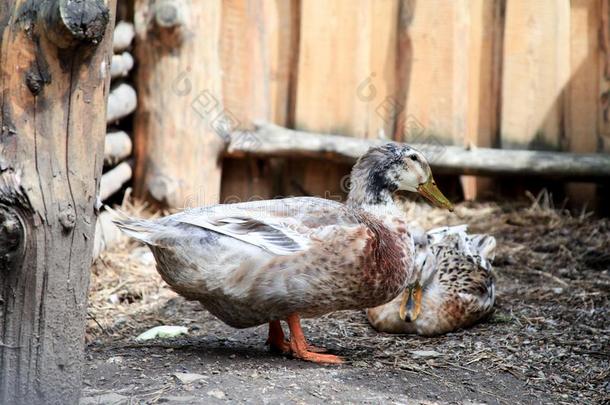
{"x":444,"y":250}
{"x":392,"y":167}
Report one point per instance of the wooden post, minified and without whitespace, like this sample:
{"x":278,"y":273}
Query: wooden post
{"x":55,"y":73}
{"x":180,"y":120}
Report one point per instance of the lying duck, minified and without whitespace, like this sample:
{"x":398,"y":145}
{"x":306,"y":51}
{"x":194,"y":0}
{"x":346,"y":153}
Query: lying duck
{"x":261,"y":262}
{"x":454,"y":288}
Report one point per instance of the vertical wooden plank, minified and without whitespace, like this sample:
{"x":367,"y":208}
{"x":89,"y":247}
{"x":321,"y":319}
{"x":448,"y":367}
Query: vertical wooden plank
{"x":453,"y":89}
{"x":357,"y":39}
{"x":257,"y":48}
{"x":484,"y":82}
{"x":180,"y":122}
{"x":282,"y":20}
{"x":325,"y":92}
{"x":245,"y":87}
{"x":604,"y":99}
{"x":383,"y":74}
{"x":582,"y":93}
{"x":439,"y":70}
{"x":343,"y":44}
{"x":244,"y":61}
{"x":604,"y":77}
{"x":332,"y":32}
{"x":536,"y":70}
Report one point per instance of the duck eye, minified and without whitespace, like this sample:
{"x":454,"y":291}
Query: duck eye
{"x":414,"y":158}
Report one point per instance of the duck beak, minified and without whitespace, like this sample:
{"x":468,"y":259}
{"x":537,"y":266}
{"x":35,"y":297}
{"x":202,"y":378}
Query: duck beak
{"x":410,"y":305}
{"x":434,"y":195}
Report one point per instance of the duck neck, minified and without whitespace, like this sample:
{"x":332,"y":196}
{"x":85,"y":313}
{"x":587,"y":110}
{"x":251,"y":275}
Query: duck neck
{"x":372,"y":190}
{"x":380,"y":204}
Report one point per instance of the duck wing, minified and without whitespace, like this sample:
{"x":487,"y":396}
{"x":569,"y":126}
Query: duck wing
{"x":281,"y":227}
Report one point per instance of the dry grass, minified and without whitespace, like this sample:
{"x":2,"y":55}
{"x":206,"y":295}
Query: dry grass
{"x":125,"y":288}
{"x":550,"y":330}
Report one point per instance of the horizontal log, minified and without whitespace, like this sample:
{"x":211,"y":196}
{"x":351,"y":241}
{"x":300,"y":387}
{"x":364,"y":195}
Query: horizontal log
{"x":123,"y":36}
{"x":122,"y":101}
{"x":121,"y":64}
{"x":271,"y":140}
{"x":106,"y":234}
{"x":114,"y":179}
{"x":117,"y":147}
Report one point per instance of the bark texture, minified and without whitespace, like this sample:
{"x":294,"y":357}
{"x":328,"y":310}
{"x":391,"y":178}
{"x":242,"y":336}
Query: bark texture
{"x":55,"y":60}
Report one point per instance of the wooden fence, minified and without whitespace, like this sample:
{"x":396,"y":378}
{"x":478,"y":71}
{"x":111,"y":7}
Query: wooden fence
{"x":516,"y":74}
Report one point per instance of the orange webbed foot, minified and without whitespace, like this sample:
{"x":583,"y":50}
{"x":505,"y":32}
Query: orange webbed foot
{"x":316,"y":357}
{"x":316,"y":349}
{"x":301,"y":350}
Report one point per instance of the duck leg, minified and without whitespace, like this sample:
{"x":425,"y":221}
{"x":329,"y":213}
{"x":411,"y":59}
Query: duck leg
{"x":299,"y":347}
{"x":278,"y":342}
{"x":276,"y":338}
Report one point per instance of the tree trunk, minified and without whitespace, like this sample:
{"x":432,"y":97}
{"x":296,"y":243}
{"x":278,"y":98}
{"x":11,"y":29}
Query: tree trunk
{"x":181,"y":124}
{"x":55,"y":60}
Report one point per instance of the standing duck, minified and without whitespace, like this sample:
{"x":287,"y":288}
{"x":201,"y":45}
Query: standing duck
{"x":454,"y":286}
{"x":261,"y":262}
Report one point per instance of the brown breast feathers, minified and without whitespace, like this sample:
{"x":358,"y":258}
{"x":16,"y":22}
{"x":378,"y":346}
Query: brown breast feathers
{"x":386,"y":263}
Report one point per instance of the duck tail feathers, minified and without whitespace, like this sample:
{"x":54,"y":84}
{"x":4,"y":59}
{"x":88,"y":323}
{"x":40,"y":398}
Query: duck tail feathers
{"x":136,"y":228}
{"x":484,"y":245}
{"x":481,"y":245}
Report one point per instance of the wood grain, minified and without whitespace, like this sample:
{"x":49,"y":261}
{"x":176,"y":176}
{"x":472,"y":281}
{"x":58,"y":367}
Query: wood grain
{"x":436,"y":102}
{"x":536,"y":69}
{"x":257,"y":48}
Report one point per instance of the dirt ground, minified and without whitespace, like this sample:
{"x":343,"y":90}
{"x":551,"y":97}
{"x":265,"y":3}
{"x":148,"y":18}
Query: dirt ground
{"x":547,"y":342}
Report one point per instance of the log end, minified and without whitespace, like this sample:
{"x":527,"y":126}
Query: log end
{"x":169,"y":18}
{"x":68,"y":23}
{"x":169,"y":14}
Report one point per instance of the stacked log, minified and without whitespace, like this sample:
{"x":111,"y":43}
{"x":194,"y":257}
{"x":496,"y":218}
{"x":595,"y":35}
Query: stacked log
{"x":122,"y":102}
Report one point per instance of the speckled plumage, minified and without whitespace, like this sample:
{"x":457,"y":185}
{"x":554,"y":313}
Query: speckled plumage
{"x":458,"y":284}
{"x":351,"y":260}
